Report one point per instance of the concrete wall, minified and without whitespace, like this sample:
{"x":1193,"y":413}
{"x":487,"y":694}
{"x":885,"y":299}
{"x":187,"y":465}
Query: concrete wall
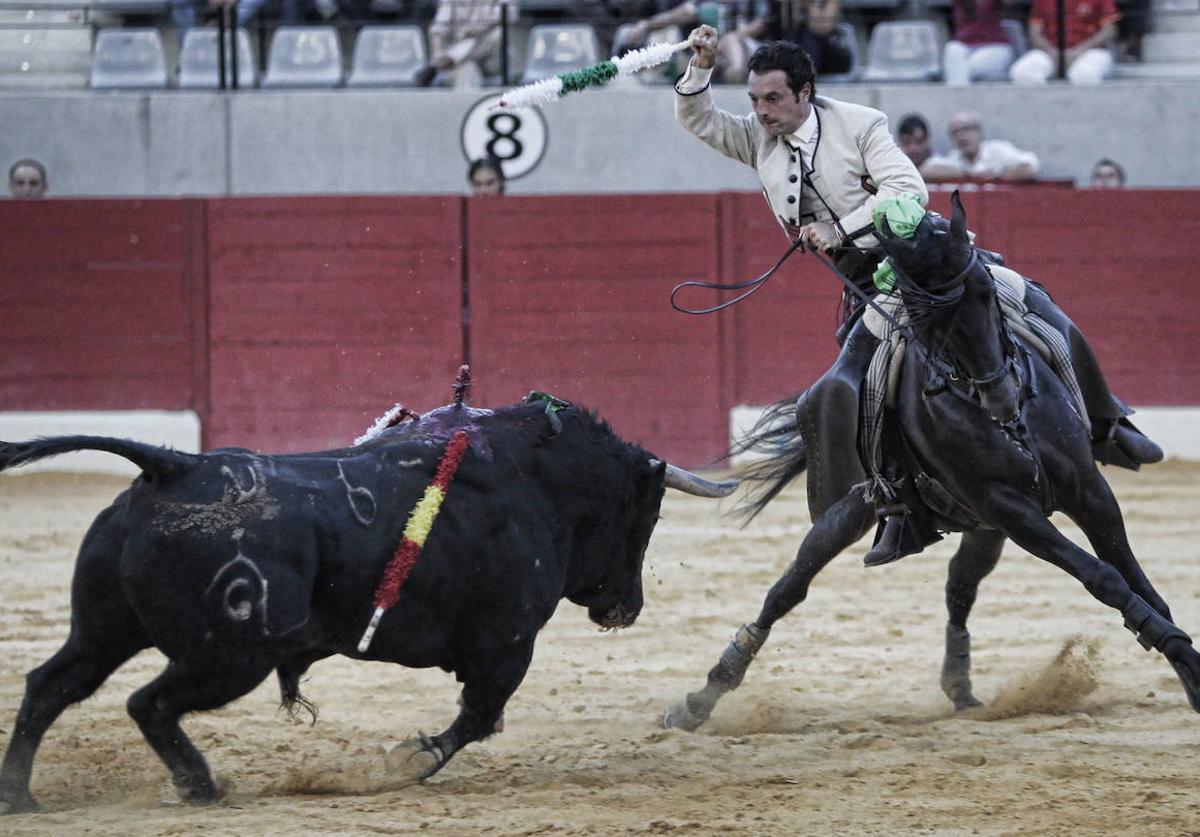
{"x":613,"y":140}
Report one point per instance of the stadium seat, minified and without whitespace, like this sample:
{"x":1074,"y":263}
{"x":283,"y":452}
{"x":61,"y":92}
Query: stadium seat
{"x":850,"y":37}
{"x":133,"y":7}
{"x":668,"y":72}
{"x":52,"y":57}
{"x":387,"y":55}
{"x":1015,"y":30}
{"x":555,"y":48}
{"x":304,"y":56}
{"x":33,"y":16}
{"x":905,"y":50}
{"x":199,"y":63}
{"x":128,"y":58}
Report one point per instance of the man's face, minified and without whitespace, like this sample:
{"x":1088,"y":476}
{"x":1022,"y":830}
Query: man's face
{"x":915,"y":145}
{"x":26,"y":182}
{"x":485,"y":181}
{"x":1106,"y":177}
{"x":966,"y":134}
{"x":777,"y":107}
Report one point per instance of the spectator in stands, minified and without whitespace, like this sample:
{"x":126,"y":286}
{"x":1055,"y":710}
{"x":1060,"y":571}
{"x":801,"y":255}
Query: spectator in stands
{"x":666,"y":14}
{"x":980,"y":49}
{"x":186,"y":14}
{"x":464,"y":37}
{"x":813,"y":24}
{"x":27,"y":179}
{"x":913,"y":135}
{"x":975,"y":157}
{"x":1134,"y":23}
{"x":1091,"y":26}
{"x":1107,"y":174}
{"x":486,"y":176}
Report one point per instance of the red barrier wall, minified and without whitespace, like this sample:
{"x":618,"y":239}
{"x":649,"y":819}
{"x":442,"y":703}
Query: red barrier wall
{"x":103,"y":304}
{"x":290,"y":323}
{"x":326,"y":311}
{"x":568,"y":295}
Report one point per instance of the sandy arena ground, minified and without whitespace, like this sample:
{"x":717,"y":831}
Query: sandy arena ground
{"x":840,"y":727}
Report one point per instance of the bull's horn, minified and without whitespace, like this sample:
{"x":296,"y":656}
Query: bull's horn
{"x":689,"y":483}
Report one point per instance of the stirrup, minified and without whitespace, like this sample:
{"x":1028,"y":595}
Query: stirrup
{"x":887,"y":546}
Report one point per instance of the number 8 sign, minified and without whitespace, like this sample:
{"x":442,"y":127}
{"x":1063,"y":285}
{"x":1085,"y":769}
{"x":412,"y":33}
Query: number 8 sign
{"x":517,"y":138}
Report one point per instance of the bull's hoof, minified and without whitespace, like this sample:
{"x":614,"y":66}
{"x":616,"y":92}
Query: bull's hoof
{"x":414,"y":759}
{"x":680,"y":716}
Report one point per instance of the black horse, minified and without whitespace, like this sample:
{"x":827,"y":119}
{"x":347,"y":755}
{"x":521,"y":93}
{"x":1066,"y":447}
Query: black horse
{"x":996,"y":442}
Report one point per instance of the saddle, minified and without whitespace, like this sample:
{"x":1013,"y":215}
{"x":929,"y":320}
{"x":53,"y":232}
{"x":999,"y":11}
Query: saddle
{"x":896,"y":484}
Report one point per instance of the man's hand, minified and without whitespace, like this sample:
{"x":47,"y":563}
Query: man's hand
{"x":703,"y":41}
{"x":821,"y":235}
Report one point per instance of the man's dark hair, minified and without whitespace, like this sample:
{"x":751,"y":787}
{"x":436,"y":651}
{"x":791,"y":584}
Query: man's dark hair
{"x":789,"y":57}
{"x":485,"y":163}
{"x":911,"y":123}
{"x":30,"y":163}
{"x":1108,"y":161}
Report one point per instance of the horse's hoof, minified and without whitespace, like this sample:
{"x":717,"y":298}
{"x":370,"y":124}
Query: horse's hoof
{"x":962,"y":704}
{"x":680,"y":716}
{"x":1191,"y":684}
{"x":18,"y":803}
{"x":413,"y":759}
{"x":203,"y":793}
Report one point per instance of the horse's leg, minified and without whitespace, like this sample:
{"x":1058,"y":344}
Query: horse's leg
{"x":1099,"y":516}
{"x":1033,"y":532}
{"x":843,"y":524}
{"x":976,"y":557}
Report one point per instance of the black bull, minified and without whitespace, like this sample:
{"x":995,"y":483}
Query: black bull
{"x":235,"y":564}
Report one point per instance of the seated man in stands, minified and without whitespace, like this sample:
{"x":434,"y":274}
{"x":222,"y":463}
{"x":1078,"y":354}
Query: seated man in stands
{"x":975,"y":157}
{"x":1107,"y":174}
{"x":1090,"y":29}
{"x":912,"y":135}
{"x":486,"y":177}
{"x":979,"y":49}
{"x":464,"y":34}
{"x":813,"y":24}
{"x":667,"y":13}
{"x":27,"y":179}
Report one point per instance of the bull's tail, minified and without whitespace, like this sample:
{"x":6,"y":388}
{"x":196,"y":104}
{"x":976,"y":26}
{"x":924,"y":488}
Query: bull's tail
{"x":154,"y":461}
{"x":776,"y":438}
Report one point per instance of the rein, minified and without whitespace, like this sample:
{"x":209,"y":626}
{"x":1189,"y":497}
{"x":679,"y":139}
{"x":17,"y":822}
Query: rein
{"x":753,"y":284}
{"x":760,"y":280}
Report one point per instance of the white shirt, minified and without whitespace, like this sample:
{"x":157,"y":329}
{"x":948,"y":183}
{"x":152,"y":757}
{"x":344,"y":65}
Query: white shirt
{"x":995,"y":157}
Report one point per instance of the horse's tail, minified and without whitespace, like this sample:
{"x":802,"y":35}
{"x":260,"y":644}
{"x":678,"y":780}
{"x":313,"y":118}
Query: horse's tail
{"x":153,"y":460}
{"x":776,"y":438}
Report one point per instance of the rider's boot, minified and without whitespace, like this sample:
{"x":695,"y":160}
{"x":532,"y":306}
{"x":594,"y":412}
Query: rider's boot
{"x":887,"y":545}
{"x":1119,"y":442}
{"x":898,"y":536}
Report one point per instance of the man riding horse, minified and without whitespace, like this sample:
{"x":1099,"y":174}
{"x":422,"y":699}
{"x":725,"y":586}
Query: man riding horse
{"x":825,"y":166}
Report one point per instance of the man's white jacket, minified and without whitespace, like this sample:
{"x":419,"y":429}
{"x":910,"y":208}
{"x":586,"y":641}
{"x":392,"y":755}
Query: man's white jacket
{"x":856,"y":163}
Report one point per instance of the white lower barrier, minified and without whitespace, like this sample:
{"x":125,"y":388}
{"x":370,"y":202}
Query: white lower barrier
{"x":175,"y":429}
